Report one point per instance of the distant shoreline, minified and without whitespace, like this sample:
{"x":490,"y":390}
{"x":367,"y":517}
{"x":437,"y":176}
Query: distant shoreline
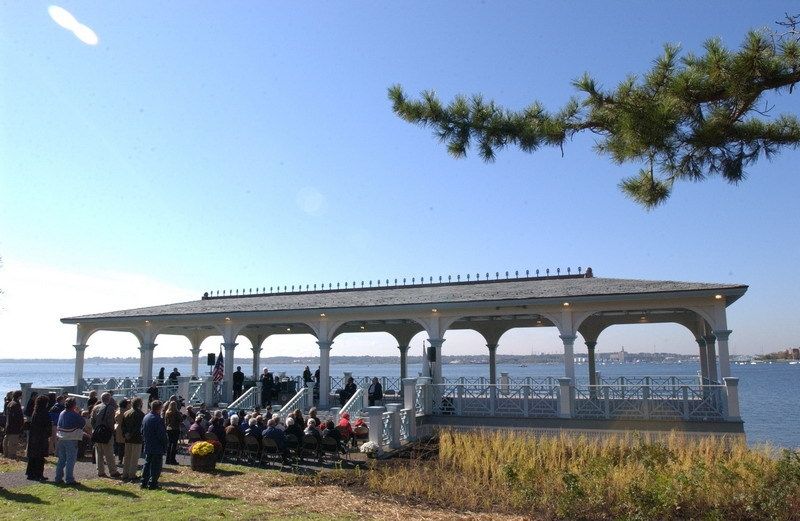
{"x":550,"y":358}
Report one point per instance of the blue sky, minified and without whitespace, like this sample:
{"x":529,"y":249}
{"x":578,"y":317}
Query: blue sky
{"x":210,"y":146}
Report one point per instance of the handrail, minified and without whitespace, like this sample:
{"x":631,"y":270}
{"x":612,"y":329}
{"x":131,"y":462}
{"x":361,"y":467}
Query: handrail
{"x":247,"y":395}
{"x":299,"y":401}
{"x":354,"y":404}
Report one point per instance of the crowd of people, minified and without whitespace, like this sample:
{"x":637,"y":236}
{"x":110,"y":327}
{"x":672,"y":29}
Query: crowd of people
{"x":116,"y":435}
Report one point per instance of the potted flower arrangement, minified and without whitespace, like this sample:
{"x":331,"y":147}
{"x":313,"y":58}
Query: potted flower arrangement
{"x":371,"y":449}
{"x":203,"y":455}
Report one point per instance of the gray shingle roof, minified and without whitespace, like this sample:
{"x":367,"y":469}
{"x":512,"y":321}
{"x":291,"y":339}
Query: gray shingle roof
{"x":502,"y":290}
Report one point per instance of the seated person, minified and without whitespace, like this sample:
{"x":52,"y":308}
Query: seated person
{"x":292,"y":427}
{"x":345,"y":428}
{"x":272,"y":432}
{"x":331,"y":432}
{"x":254,"y":430}
{"x":312,"y":430}
{"x":312,"y":415}
{"x":233,"y":428}
{"x":197,"y":427}
{"x":278,"y":424}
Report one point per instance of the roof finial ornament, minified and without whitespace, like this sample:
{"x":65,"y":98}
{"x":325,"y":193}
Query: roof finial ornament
{"x":568,"y":270}
{"x":589,"y":273}
{"x":558,"y":271}
{"x":579,"y":270}
{"x":547,"y":272}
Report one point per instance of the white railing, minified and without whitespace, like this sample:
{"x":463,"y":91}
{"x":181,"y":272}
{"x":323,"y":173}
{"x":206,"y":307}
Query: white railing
{"x":495,"y":400}
{"x":405,"y":424}
{"x":196,"y":391}
{"x":247,"y":400}
{"x":301,"y":400}
{"x":651,"y":402}
{"x":659,"y":399}
{"x":387,"y":433}
{"x":354,"y":404}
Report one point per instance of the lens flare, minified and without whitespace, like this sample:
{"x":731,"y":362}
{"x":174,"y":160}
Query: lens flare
{"x":66,"y":20}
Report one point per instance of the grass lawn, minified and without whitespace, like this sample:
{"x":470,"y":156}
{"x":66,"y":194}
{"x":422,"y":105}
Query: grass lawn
{"x":232,"y":493}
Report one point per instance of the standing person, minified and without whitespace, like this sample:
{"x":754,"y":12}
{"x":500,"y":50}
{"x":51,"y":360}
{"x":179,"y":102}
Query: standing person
{"x":160,"y":377}
{"x":132,"y":432}
{"x":153,"y":392}
{"x":102,"y":420}
{"x":92,"y":400}
{"x":14,"y":421}
{"x":375,"y":392}
{"x":154,"y":435}
{"x":38,"y":439}
{"x":316,"y":376}
{"x":173,"y":419}
{"x":238,"y":382}
{"x":119,"y":439}
{"x":173,"y":376}
{"x":70,"y":432}
{"x":54,"y":413}
{"x":306,"y":376}
{"x":266,"y":388}
{"x":31,"y":401}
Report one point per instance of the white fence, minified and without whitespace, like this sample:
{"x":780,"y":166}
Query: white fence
{"x":663,"y":399}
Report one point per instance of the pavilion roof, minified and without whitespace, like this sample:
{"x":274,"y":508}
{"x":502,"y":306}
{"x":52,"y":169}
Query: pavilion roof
{"x":571,"y":286}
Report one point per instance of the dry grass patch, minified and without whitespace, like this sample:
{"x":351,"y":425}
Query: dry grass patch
{"x":623,"y":477}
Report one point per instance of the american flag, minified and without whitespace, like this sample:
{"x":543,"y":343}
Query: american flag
{"x":219,"y":369}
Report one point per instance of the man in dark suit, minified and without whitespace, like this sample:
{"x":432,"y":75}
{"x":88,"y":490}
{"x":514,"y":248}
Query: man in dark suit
{"x":238,"y":382}
{"x":154,"y":436}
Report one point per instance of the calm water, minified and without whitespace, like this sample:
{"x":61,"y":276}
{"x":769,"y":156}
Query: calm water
{"x":769,"y":393}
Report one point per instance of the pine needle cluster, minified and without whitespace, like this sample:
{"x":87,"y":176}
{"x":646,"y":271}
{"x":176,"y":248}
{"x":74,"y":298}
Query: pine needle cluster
{"x":691,"y":116}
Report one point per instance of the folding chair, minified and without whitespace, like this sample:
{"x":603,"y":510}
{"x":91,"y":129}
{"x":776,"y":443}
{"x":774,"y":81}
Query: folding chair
{"x":330,"y":448}
{"x":309,"y":445}
{"x":252,"y":449}
{"x":233,"y":448}
{"x":293,"y":444}
{"x":270,"y":450}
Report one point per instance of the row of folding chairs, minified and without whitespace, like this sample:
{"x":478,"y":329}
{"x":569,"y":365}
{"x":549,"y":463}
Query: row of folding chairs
{"x":307,"y":449}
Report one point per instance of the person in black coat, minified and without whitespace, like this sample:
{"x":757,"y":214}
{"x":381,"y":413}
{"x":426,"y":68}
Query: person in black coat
{"x":375,"y":392}
{"x":306,"y":376}
{"x":31,"y":402}
{"x":267,"y":382}
{"x":349,"y":390}
{"x":41,"y":428}
{"x":238,"y":382}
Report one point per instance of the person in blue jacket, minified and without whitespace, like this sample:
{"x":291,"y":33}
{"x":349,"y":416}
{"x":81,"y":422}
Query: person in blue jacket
{"x":154,"y":437}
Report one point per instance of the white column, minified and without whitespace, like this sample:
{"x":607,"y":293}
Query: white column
{"x":569,"y":356}
{"x":375,"y":415}
{"x":324,"y":373}
{"x":724,"y":357}
{"x":227,"y":379}
{"x":564,"y":397}
{"x":492,"y":363}
{"x":435,"y":359}
{"x":701,"y":344}
{"x":732,"y":396}
{"x":256,"y":361}
{"x":80,"y":350}
{"x":409,"y":393}
{"x":195,"y":361}
{"x":147,"y":363}
{"x":711,"y":356}
{"x":403,"y":361}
